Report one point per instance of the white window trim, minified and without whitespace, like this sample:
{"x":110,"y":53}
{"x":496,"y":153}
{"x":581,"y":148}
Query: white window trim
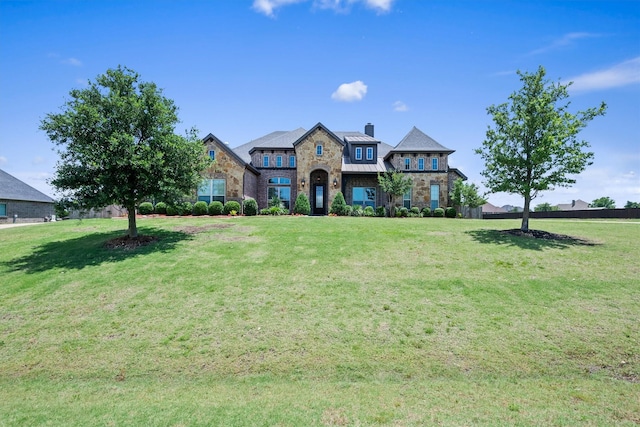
{"x":319,"y":150}
{"x":369,"y":153}
{"x":420,"y":160}
{"x":358,"y":153}
{"x":265,"y":161}
{"x":278,"y":161}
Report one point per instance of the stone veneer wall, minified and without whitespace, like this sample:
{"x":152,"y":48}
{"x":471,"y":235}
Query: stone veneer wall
{"x":421,"y":190}
{"x":229,"y":169}
{"x":26,"y":211}
{"x":397,"y":160}
{"x":330,"y":161}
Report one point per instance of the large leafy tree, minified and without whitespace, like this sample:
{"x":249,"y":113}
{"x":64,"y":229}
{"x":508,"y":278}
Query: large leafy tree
{"x":533,"y":145}
{"x":604,"y":202}
{"x":395,"y":184}
{"x":117,"y":145}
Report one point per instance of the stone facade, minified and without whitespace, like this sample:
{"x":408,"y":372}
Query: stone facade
{"x":226,"y":167}
{"x":295,"y":156}
{"x":330,"y":161}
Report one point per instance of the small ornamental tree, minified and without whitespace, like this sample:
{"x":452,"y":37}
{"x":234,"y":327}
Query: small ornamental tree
{"x":302,"y":205}
{"x":117,"y":145}
{"x":533,"y":145}
{"x":466,"y":195}
{"x":395,"y":184}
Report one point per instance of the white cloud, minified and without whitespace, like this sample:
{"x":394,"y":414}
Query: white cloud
{"x":349,"y":92}
{"x":566,"y":40}
{"x":3,"y":160}
{"x":622,"y":74}
{"x":400,"y":106}
{"x":268,"y":7}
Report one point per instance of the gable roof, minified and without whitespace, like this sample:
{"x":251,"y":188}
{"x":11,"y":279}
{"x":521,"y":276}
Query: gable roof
{"x":11,"y":188}
{"x":282,"y":141}
{"x":324,"y":128}
{"x":232,"y":153}
{"x":417,"y":141}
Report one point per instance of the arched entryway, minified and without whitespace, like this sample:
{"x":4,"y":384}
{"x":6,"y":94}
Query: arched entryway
{"x":319,"y":192}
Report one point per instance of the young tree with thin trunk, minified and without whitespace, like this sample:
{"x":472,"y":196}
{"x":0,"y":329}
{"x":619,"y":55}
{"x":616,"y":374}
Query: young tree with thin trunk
{"x":117,"y":145}
{"x":395,"y":184}
{"x":533,"y":145}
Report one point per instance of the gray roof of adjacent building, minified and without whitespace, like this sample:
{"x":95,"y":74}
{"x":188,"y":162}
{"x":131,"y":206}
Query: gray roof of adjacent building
{"x":417,"y":141}
{"x":11,"y":188}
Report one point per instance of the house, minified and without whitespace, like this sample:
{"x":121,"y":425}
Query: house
{"x":321,"y":162}
{"x":489,"y":208}
{"x":20,"y":202}
{"x":575,"y":205}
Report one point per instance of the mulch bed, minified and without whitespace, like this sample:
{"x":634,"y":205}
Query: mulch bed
{"x":540,"y":234}
{"x":126,"y":243}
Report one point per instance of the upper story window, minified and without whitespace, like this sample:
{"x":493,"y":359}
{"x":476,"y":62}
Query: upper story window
{"x":212,"y":154}
{"x":369,"y":153}
{"x":319,"y":150}
{"x":421,"y":163}
{"x":407,"y":164}
{"x":265,"y":161}
{"x":279,"y":161}
{"x":292,"y":161}
{"x":434,"y":163}
{"x":358,"y":153}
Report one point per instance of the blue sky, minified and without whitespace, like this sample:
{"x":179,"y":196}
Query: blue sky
{"x":241,"y":69}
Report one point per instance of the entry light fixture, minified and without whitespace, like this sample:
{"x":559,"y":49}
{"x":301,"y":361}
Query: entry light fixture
{"x":303,"y":182}
{"x":335,"y":182}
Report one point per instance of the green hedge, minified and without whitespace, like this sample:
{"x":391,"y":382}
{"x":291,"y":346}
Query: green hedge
{"x":145,"y":208}
{"x":216,"y":208}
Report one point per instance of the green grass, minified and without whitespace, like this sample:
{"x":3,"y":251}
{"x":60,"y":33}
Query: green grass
{"x":320,"y":321}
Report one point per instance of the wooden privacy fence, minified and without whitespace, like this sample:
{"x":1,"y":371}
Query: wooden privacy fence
{"x":582,"y":214}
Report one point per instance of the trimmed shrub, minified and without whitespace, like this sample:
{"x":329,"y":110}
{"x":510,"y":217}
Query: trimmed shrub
{"x":250,"y":207}
{"x":172,"y":210}
{"x":216,"y":208}
{"x":438,"y":212}
{"x":200,"y":208}
{"x":369,"y":211}
{"x":302,"y":205}
{"x":161,"y":208}
{"x":414,"y":212}
{"x":450,"y":212}
{"x":145,"y":208}
{"x":275,"y":201}
{"x":339,"y":205}
{"x":357,"y":210}
{"x":403,"y":212}
{"x":186,"y":208}
{"x":231,"y":206}
{"x":381,"y":211}
{"x":426,"y":212}
{"x":265,"y":211}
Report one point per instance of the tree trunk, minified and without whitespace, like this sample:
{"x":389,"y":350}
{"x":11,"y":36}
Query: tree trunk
{"x":525,"y":214}
{"x":133,"y":229}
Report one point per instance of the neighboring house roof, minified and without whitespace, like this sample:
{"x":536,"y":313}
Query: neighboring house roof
{"x":232,"y":153}
{"x":575,"y":205}
{"x":11,"y":188}
{"x":417,"y":141}
{"x":489,"y":208}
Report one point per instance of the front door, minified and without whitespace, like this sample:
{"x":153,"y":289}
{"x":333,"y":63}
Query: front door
{"x":320,"y":197}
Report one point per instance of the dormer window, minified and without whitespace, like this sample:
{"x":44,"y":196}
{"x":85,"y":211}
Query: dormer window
{"x":369,"y":153}
{"x":358,"y":153}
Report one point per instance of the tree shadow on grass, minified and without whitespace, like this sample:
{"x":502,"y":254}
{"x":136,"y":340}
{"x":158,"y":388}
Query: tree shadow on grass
{"x":535,"y":240}
{"x":91,"y":250}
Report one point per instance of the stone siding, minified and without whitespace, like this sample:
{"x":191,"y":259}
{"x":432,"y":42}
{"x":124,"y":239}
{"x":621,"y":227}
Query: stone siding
{"x":397,"y":160}
{"x":26,"y":211}
{"x":257,"y":158}
{"x":351,"y":181}
{"x":421,"y":189}
{"x":330,"y":161}
{"x":228,"y":168}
